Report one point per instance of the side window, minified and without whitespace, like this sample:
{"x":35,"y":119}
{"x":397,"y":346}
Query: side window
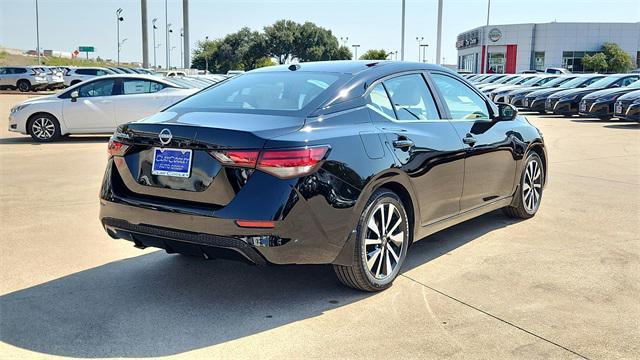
{"x":19,"y":70}
{"x":100,"y":72}
{"x":627,"y":81}
{"x":380,"y":101}
{"x":411,"y":98}
{"x":463,"y":103}
{"x":97,"y":88}
{"x":156,"y":86}
{"x":3,"y":71}
{"x":140,"y":86}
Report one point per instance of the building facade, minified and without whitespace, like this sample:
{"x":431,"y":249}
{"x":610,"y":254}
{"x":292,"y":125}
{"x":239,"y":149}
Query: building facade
{"x":518,"y":47}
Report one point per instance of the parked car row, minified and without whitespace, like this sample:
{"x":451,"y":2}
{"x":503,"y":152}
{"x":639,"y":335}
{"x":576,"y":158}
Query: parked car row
{"x":590,"y":95}
{"x":98,"y":104}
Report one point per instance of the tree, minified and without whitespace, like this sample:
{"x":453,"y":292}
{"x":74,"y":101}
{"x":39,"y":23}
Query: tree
{"x":619,"y":61}
{"x":374,"y":54}
{"x":596,"y":62}
{"x":281,"y":39}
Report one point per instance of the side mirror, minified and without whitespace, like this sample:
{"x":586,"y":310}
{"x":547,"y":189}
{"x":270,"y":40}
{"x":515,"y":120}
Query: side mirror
{"x":506,"y":112}
{"x":74,"y":96}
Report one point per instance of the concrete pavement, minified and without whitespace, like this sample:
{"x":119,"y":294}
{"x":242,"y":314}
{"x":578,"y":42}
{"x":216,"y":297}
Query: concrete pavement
{"x":564,"y":284}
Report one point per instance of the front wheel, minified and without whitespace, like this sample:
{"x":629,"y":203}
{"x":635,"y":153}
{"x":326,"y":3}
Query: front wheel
{"x":44,"y":128}
{"x":382,"y":239}
{"x":527,"y":200}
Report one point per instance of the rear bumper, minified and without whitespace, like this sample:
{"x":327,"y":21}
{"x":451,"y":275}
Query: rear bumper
{"x":311,"y":232}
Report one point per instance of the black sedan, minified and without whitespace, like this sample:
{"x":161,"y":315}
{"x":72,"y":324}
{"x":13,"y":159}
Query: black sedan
{"x":343,"y":163}
{"x":600,"y":103}
{"x":566,"y":102}
{"x":516,"y":97}
{"x":535,"y":101}
{"x":628,"y":107}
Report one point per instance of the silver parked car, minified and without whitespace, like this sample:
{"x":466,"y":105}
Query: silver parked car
{"x":54,"y":76}
{"x":78,"y":75}
{"x":23,"y":78}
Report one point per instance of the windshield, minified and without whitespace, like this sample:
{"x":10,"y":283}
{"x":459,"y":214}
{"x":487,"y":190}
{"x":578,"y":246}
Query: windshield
{"x":605,"y":82}
{"x":557,"y":81}
{"x":284,"y":91}
{"x":513,"y":80}
{"x":532,"y":81}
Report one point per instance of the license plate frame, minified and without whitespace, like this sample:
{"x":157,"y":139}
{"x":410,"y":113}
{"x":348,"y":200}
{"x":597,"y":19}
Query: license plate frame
{"x":583,"y":107}
{"x":172,"y":162}
{"x":618,"y":109}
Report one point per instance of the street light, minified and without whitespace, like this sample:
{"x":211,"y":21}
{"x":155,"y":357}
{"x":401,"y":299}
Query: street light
{"x":38,"y":34}
{"x":155,"y":63}
{"x":424,"y":48}
{"x":181,"y":54}
{"x":206,"y":60}
{"x":169,"y":31}
{"x":355,"y":51}
{"x":344,"y":40}
{"x":119,"y":18}
{"x":120,"y":43}
{"x":485,"y":47}
{"x":419,"y":40}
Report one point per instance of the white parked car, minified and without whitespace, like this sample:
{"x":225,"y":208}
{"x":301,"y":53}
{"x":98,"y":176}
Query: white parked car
{"x":96,"y":106}
{"x":78,"y":75}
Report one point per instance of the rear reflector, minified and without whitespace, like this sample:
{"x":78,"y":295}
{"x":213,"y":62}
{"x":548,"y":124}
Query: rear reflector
{"x":283,"y":163}
{"x":116,"y":148}
{"x":255,"y":223}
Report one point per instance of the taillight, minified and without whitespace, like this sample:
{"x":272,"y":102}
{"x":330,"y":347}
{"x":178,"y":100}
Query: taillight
{"x":283,"y":163}
{"x":291,"y":162}
{"x":116,"y":148}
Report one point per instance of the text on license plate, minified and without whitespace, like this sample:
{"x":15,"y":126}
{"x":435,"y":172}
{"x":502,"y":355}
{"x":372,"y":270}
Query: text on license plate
{"x":171,"y":162}
{"x":583,"y":107}
{"x":619,"y":109}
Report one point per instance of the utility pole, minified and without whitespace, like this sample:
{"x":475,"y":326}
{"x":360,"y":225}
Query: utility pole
{"x":153,"y":23}
{"x":439,"y":40}
{"x":355,"y":51}
{"x":145,"y":35}
{"x":181,"y":44}
{"x":119,"y":18}
{"x":424,"y":48}
{"x":419,"y":40}
{"x":206,"y":59}
{"x":38,"y":34}
{"x":485,"y":47}
{"x":166,"y":31}
{"x":169,"y":31}
{"x":402,"y":31}
{"x":185,"y":24}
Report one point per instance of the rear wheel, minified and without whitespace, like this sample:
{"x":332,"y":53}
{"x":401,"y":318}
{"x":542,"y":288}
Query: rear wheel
{"x":44,"y":128}
{"x":381,"y":245}
{"x":527,"y":199}
{"x":24,"y":85}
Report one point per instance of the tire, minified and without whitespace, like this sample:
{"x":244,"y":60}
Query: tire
{"x":374,"y":254}
{"x":523,"y":205}
{"x":24,"y":85}
{"x":43,"y":128}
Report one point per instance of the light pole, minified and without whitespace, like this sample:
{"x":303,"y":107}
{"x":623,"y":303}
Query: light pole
{"x":181,"y":41}
{"x":38,"y":34}
{"x":155,"y":63}
{"x":402,"y":32}
{"x":485,"y":47}
{"x":171,"y":50}
{"x":439,"y":33}
{"x":206,"y":60}
{"x":424,"y":48}
{"x":169,"y":31}
{"x":419,"y":40}
{"x":157,"y":47}
{"x":355,"y":50}
{"x":119,"y":18}
{"x":166,"y":31}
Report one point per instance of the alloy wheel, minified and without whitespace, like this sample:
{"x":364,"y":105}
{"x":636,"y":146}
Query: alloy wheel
{"x":384,"y":240}
{"x":532,"y":186}
{"x":43,"y":128}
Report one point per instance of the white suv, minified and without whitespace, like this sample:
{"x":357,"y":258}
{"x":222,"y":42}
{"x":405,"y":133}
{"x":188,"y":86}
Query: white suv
{"x":77,"y":75}
{"x":23,"y":78}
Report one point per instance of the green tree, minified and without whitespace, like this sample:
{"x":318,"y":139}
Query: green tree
{"x":281,"y":39}
{"x":596,"y":62}
{"x":374,"y":54}
{"x":264,"y":62}
{"x":342,"y":53}
{"x":619,"y":61}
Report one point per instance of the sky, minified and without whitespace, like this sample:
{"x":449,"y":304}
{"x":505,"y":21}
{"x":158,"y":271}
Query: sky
{"x":372,"y":24}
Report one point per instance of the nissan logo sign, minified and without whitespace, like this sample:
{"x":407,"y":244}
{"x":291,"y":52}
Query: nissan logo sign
{"x":165,"y":136}
{"x":495,"y":34}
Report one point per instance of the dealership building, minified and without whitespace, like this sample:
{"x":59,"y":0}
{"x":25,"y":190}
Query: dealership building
{"x":518,"y":47}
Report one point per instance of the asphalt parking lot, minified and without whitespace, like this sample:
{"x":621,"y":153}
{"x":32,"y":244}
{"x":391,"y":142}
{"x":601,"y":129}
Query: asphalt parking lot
{"x":565,"y":284}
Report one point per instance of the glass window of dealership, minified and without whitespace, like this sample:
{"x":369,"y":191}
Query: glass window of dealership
{"x":518,"y":47}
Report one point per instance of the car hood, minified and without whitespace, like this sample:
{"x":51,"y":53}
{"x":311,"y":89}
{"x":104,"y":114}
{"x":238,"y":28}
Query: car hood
{"x":40,"y":99}
{"x":630,"y":96}
{"x":604,"y":92}
{"x":545,"y":92}
{"x":524,"y":90}
{"x":570,"y":92}
{"x":506,"y":88}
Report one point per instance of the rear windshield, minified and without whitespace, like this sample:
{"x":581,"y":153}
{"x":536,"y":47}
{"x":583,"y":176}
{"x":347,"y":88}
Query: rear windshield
{"x":279,"y":91}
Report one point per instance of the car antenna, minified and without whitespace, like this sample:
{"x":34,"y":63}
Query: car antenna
{"x":294,"y":67}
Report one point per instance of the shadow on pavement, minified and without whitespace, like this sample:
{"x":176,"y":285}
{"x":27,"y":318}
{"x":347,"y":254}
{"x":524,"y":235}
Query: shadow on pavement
{"x":633,"y":126}
{"x":159,"y":304}
{"x":62,"y":140}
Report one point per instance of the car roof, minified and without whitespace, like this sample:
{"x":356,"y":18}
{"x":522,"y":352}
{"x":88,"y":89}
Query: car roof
{"x":354,"y":66}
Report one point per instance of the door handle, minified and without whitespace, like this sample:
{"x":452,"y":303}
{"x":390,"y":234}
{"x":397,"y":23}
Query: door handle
{"x":469,"y":140}
{"x":403,"y":143}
